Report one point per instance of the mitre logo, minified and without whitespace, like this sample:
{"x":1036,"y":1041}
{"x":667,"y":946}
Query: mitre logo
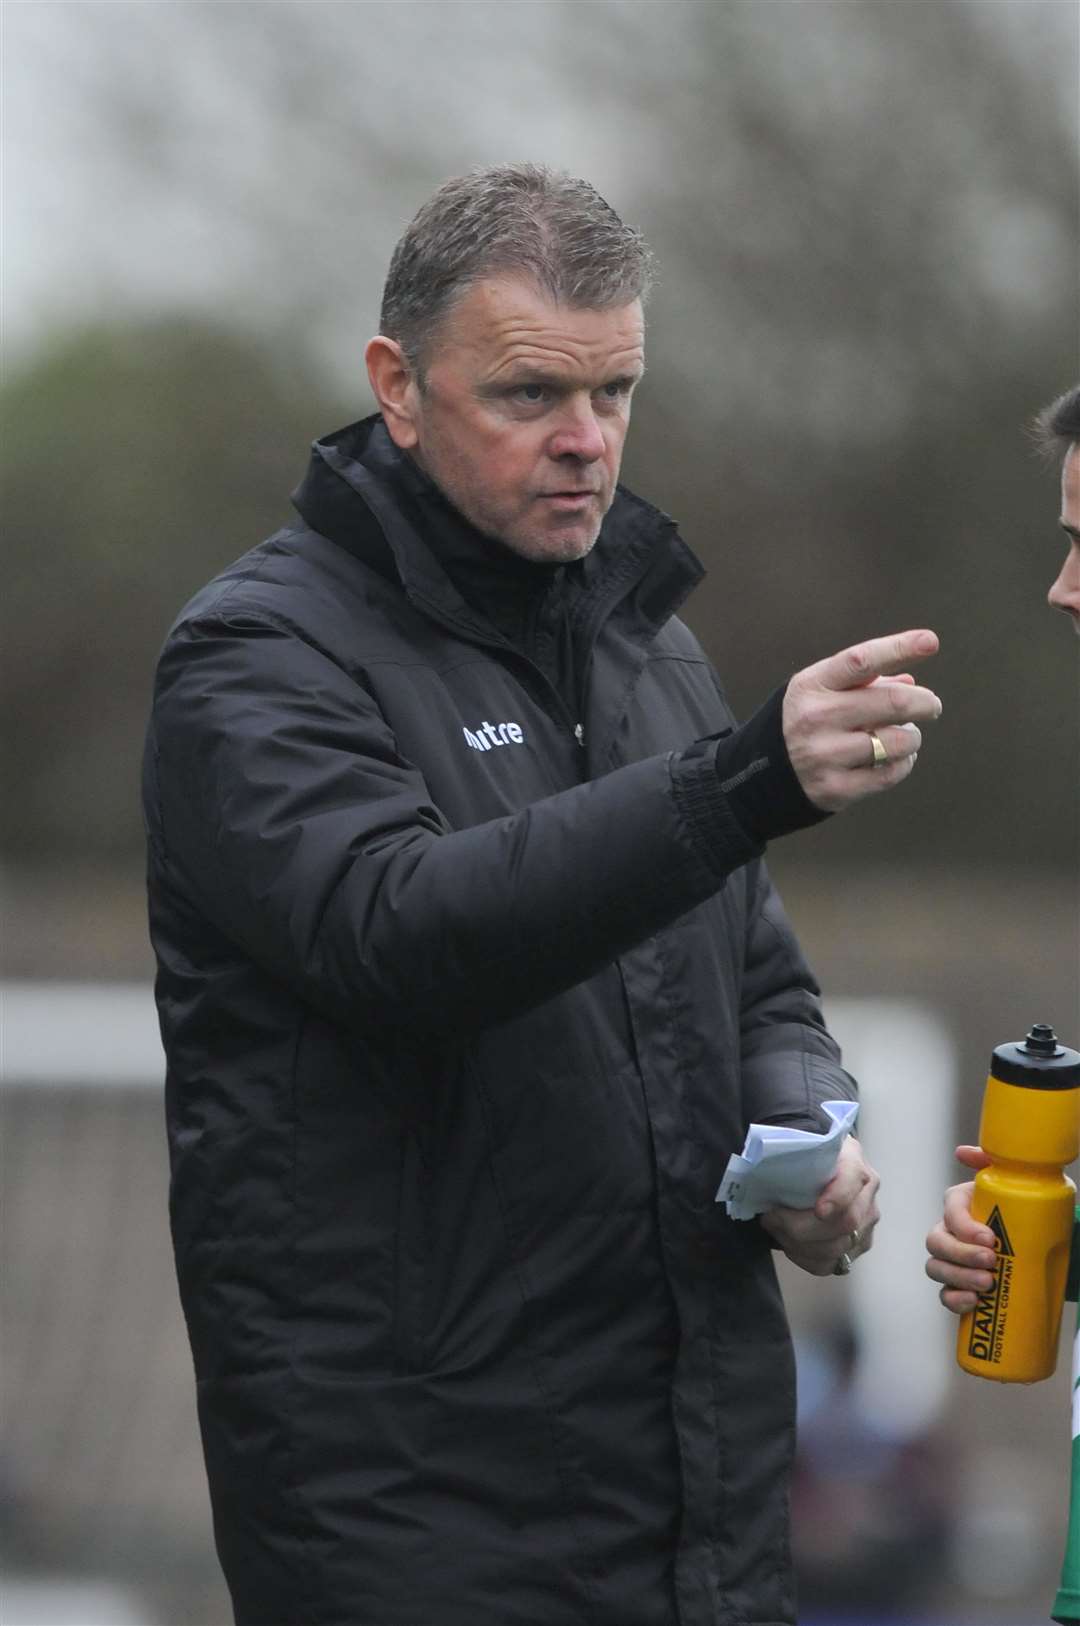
{"x":491,"y":734}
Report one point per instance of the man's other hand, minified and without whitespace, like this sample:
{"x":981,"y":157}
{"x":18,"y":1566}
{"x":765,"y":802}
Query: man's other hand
{"x":835,"y":709}
{"x":841,"y":1221}
{"x":961,"y":1249}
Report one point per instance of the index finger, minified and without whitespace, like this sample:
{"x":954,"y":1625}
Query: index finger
{"x":878,"y":657}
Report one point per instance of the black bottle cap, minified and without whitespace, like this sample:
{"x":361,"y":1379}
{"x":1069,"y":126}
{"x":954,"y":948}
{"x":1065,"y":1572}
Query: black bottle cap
{"x":1039,"y":1063}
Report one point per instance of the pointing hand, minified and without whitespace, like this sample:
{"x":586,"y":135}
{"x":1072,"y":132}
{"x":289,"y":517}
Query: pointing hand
{"x":835,"y":710}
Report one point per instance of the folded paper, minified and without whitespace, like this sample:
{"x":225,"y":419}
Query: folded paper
{"x":784,"y":1166}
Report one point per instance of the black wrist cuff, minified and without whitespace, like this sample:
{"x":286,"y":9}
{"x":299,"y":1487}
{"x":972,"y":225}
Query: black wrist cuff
{"x":756,"y":776}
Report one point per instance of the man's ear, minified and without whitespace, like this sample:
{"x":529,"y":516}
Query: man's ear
{"x":395,"y":390}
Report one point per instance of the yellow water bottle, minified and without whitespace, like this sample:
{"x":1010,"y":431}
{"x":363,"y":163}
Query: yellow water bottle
{"x":1030,"y":1127}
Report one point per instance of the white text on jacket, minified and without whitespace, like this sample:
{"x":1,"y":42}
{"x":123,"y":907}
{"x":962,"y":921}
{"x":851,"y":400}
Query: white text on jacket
{"x":489,"y":734}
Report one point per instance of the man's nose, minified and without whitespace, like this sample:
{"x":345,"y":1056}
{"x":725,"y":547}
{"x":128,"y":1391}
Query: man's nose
{"x":578,"y":434}
{"x":1064,"y":594}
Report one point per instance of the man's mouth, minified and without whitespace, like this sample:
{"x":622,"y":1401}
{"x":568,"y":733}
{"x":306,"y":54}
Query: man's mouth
{"x":570,"y":498}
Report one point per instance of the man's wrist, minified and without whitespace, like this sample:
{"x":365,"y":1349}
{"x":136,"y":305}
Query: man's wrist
{"x":755,"y":774}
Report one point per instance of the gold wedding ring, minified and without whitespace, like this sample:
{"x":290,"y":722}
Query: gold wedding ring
{"x":844,"y":1263}
{"x":880,"y":754}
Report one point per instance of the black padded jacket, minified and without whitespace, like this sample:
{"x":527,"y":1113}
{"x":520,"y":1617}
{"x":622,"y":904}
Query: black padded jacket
{"x":466,"y":999}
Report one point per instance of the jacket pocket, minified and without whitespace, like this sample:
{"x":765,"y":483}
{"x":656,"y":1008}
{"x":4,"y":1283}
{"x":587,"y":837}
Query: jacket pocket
{"x":410,"y":1264}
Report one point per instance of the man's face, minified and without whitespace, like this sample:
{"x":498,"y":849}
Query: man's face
{"x":1065,"y":593}
{"x":524,"y":411}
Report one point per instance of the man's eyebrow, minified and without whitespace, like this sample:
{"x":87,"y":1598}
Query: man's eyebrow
{"x":526,"y":372}
{"x":534,"y":373}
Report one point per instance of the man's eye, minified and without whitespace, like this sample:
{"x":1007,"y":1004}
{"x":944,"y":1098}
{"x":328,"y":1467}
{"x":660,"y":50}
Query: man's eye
{"x":531,"y":393}
{"x":616,"y":390}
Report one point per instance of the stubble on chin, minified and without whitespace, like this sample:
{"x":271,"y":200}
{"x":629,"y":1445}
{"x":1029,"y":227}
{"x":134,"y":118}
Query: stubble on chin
{"x":552,"y":549}
{"x":520,"y":533}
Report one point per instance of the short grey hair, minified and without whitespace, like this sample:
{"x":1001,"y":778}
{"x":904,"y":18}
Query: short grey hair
{"x":522,"y":219}
{"x":1057,"y":426}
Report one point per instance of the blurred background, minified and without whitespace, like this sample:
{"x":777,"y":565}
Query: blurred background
{"x":866,"y":217}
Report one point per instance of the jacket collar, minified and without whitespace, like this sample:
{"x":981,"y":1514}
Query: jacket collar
{"x":364,"y":495}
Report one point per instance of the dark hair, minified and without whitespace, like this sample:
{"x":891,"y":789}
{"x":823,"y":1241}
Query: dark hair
{"x":521,"y":218}
{"x":1057,"y":426}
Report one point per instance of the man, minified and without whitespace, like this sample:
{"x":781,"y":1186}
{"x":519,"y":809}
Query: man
{"x":471,"y":977}
{"x":961,"y":1250}
{"x":1059,"y":426}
